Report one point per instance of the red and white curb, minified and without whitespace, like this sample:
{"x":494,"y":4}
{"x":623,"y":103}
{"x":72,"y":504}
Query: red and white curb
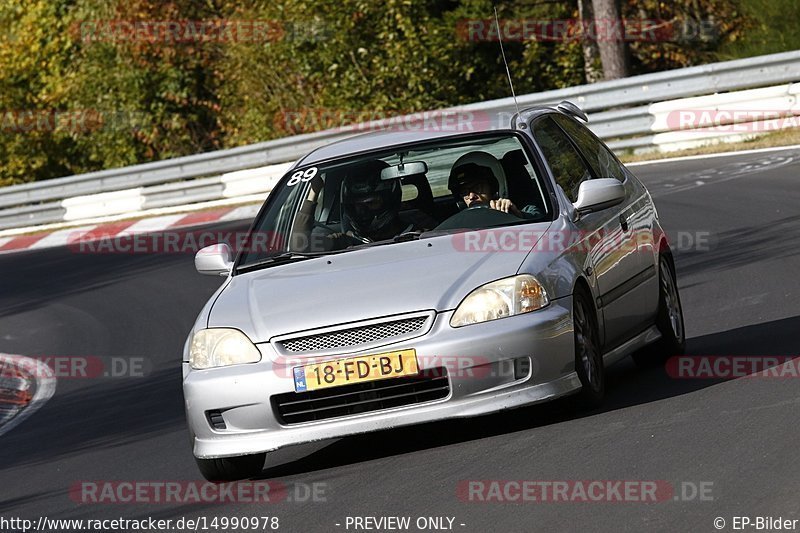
{"x":108,"y":230}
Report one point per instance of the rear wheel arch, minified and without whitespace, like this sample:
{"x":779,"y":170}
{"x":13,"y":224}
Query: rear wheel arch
{"x":669,"y":318}
{"x":666,"y":252}
{"x":664,"y":249}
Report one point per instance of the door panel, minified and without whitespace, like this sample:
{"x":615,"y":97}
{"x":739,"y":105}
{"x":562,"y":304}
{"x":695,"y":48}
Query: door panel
{"x":610,"y":234}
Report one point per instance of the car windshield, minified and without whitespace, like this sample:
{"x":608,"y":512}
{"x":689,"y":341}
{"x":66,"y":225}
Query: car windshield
{"x":398,"y":194}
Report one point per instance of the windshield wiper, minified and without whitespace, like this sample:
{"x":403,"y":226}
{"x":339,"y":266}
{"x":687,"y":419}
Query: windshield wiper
{"x":407,"y":236}
{"x":277,"y":259}
{"x":403,"y":237}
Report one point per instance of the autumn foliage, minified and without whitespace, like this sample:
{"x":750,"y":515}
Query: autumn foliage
{"x":94,"y":84}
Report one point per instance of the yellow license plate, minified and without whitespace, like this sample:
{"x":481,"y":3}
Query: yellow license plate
{"x":355,"y":370}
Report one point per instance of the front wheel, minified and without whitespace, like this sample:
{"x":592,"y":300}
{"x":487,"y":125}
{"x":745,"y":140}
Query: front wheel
{"x":231,"y":468}
{"x":669,"y":320}
{"x":588,"y":357}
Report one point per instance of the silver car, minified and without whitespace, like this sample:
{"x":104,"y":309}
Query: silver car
{"x":402,"y":277}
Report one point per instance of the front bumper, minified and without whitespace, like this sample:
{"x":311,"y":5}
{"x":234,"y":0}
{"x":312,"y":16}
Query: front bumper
{"x":479,"y":359}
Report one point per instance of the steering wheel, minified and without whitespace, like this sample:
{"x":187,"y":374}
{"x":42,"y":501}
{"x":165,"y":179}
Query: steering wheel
{"x":477,"y":216}
{"x":324,"y":227}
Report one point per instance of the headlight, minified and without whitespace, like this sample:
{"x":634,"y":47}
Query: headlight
{"x":499,"y":299}
{"x":221,"y":347}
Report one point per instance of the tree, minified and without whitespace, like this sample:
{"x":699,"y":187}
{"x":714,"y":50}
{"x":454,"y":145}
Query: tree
{"x":588,"y":45}
{"x":74,"y":98}
{"x":36,"y":132}
{"x":611,"y":42}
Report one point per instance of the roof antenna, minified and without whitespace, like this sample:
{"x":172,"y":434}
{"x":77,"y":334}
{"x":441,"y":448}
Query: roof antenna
{"x":502,"y":51}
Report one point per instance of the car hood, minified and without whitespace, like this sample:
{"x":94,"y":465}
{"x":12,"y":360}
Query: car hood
{"x":428,"y":274}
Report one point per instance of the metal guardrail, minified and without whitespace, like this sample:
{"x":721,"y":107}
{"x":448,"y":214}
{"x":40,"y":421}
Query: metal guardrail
{"x":196,"y":178}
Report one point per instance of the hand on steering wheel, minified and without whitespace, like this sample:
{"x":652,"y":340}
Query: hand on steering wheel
{"x":505,"y":205}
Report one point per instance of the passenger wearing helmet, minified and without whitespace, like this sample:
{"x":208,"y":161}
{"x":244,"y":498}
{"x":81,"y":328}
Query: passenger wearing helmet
{"x":371,"y":206}
{"x":476,"y":186}
{"x":370,"y":211}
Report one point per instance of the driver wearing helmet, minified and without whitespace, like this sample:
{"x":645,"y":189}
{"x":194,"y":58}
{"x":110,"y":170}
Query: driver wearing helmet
{"x":372,"y":205}
{"x":476,"y":186}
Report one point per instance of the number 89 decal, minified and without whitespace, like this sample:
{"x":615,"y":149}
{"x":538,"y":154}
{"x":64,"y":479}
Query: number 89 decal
{"x":302,"y":176}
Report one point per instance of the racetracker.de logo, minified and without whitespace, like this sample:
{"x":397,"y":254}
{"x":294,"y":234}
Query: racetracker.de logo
{"x":599,"y":30}
{"x":79,"y":367}
{"x":449,"y":120}
{"x":179,"y":31}
{"x":460,"y":367}
{"x":77,"y":121}
{"x":600,"y":241}
{"x":582,"y":491}
{"x":177,"y":242}
{"x":732,"y":120}
{"x":524,"y":240}
{"x":176,"y":492}
{"x":733,"y":366}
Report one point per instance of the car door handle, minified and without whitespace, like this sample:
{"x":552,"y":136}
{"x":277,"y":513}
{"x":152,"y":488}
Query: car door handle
{"x":623,"y":222}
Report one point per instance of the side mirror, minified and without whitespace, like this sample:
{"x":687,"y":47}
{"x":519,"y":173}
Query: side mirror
{"x":597,"y":194}
{"x":214,"y":260}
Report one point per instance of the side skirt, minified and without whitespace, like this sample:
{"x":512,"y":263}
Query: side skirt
{"x":641,"y":340}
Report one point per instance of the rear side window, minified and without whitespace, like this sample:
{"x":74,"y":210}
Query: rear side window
{"x":566,"y":164}
{"x":600,"y":158}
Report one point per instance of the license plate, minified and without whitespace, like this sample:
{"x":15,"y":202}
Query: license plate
{"x":355,"y":370}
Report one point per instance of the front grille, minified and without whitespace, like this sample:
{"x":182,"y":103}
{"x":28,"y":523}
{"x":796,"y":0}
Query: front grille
{"x":346,"y":338}
{"x":298,"y":407}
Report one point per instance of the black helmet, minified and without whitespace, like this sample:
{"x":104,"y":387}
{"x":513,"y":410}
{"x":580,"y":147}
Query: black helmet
{"x":470,"y":173}
{"x":371,"y":205}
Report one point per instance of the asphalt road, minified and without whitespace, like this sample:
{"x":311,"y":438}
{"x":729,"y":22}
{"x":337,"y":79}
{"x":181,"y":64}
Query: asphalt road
{"x":739,"y":437}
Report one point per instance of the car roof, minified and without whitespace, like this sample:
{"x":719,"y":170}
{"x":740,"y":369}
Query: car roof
{"x":381,"y":139}
{"x":378,"y":140}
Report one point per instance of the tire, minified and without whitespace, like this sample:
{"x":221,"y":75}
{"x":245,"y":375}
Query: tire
{"x":669,"y":320}
{"x":588,"y":355}
{"x":231,"y":468}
